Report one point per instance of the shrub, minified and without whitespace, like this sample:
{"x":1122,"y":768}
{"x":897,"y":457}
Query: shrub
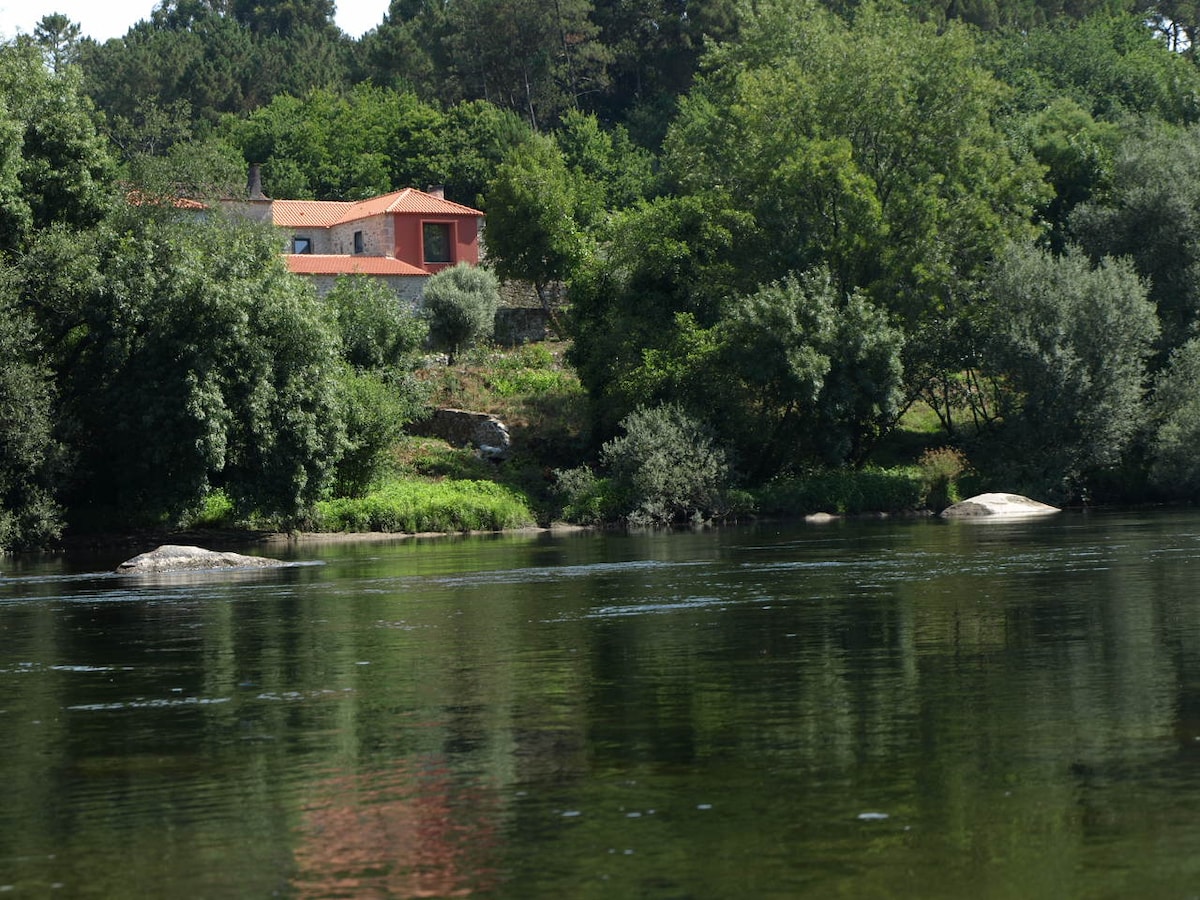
{"x":378,"y":330}
{"x":460,"y":306}
{"x":586,"y":498}
{"x":940,"y":471}
{"x":665,"y":468}
{"x":376,"y":408}
{"x":846,"y":492}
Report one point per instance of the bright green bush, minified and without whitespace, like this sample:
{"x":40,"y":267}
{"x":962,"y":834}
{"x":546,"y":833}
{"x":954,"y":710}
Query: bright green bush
{"x":376,"y":408}
{"x":417,"y":506}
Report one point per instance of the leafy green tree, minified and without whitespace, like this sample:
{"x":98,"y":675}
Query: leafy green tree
{"x":908,"y":191}
{"x":1175,"y":424}
{"x":54,"y":167}
{"x":610,"y":172}
{"x":332,"y":146}
{"x":1070,"y":344}
{"x":1111,"y":65}
{"x":533,"y":229}
{"x":460,"y":303}
{"x":1151,"y":213}
{"x":30,"y":458}
{"x":669,"y":268}
{"x":808,"y":375}
{"x":1078,"y":154}
{"x":187,"y":358}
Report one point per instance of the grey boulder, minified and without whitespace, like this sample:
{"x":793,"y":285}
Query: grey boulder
{"x":998,"y":506}
{"x":178,"y":558}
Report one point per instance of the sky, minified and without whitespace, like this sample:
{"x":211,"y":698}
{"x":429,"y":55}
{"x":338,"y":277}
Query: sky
{"x":104,"y":19}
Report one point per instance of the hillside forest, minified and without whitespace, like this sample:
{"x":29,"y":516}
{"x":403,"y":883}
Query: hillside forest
{"x":774,"y":234}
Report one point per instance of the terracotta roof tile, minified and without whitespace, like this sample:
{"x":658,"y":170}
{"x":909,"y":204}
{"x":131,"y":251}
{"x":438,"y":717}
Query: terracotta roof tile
{"x":301,"y":213}
{"x":337,"y":264}
{"x":324,"y":213}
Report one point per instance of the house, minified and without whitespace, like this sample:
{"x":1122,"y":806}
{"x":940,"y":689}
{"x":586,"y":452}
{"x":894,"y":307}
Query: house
{"x":401,"y":238}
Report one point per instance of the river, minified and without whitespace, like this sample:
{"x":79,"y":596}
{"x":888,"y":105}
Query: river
{"x":869,"y":709}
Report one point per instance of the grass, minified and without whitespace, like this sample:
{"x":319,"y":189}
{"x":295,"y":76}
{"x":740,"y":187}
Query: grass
{"x":417,"y":506}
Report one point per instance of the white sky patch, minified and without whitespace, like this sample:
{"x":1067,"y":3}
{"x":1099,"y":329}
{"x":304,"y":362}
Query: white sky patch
{"x":104,"y":19}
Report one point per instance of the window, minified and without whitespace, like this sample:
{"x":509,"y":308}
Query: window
{"x":436,"y":237}
{"x":301,"y":245}
{"x":358,"y":242}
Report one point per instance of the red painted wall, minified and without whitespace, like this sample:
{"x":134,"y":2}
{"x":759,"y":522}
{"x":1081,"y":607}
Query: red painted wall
{"x":464,"y":240}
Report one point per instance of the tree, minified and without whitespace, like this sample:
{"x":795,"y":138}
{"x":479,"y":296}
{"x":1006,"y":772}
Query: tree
{"x":533,"y":232}
{"x":1151,"y":213}
{"x":460,"y":304}
{"x":30,"y":458}
{"x":1175,"y":424}
{"x":807,"y":375}
{"x":525,"y":55}
{"x":54,"y":167}
{"x":1070,"y":344}
{"x":58,"y":37}
{"x":669,"y":269}
{"x":187,"y":358}
{"x":908,"y":191}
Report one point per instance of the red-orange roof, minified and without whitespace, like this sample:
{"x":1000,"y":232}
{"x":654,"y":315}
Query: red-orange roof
{"x":324,"y":213}
{"x":344,"y":264}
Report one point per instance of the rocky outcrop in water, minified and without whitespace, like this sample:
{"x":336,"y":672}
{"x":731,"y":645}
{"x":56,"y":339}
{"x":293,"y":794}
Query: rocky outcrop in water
{"x":1006,"y":506}
{"x":177,"y":558}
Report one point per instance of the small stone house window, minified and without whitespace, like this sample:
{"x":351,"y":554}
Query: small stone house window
{"x":302,"y":245}
{"x":358,"y":242}
{"x":436,"y":240}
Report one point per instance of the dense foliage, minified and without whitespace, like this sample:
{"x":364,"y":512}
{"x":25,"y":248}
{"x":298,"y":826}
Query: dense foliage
{"x":788,"y":223}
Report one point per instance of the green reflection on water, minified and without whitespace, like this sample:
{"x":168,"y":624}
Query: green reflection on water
{"x":907,"y":709}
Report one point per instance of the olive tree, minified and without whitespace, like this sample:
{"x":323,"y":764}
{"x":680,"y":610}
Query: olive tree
{"x":460,"y":304}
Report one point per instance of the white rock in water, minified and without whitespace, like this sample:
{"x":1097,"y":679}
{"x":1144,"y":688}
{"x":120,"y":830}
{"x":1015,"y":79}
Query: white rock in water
{"x":998,"y":506}
{"x":176,"y":558}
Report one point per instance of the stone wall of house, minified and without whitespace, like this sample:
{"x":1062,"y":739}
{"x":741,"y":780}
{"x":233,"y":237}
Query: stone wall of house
{"x":516,"y":325}
{"x":379,"y":237}
{"x":407,"y":287}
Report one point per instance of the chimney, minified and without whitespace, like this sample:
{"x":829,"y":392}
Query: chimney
{"x":437,"y":190}
{"x":254,"y":183}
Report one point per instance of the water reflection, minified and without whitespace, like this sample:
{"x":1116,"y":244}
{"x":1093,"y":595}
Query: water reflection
{"x":907,"y":709}
{"x":410,"y":830}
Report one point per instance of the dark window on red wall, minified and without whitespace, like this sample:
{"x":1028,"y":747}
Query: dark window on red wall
{"x":436,"y":238}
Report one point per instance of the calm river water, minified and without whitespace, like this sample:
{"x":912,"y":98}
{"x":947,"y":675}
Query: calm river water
{"x":863,"y":709}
